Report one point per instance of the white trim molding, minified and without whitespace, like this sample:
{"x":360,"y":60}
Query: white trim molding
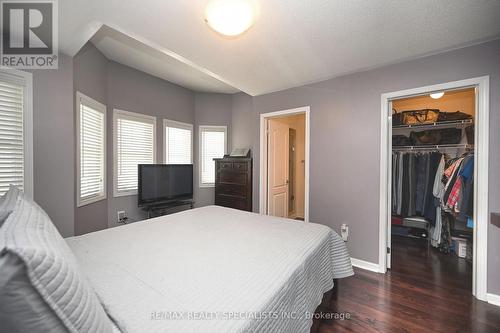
{"x":263,"y":156}
{"x":208,"y":128}
{"x":24,"y":79}
{"x":366,"y":265}
{"x":480,"y":250}
{"x":493,"y":299}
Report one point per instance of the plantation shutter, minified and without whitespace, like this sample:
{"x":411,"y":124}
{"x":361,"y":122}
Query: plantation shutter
{"x":213,"y":145}
{"x":178,"y":143}
{"x":135,"y":144}
{"x":11,"y":136}
{"x":92,"y":153}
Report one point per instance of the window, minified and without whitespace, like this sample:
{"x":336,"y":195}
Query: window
{"x":212,"y":145}
{"x":178,"y":142}
{"x":91,"y":150}
{"x":134,"y":143}
{"x":16,"y":131}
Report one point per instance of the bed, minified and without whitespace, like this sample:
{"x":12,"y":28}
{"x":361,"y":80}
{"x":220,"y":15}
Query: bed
{"x":212,"y":269}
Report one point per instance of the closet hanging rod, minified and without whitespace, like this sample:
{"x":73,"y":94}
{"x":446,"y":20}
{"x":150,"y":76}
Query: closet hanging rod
{"x":434,"y":147}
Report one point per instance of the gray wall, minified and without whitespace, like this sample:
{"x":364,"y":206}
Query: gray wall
{"x":53,"y":143}
{"x":131,"y":90}
{"x":345,"y":135}
{"x":210,"y":109}
{"x":90,"y":78}
{"x":124,"y":88}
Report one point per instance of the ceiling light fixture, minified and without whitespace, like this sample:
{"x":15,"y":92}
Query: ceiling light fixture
{"x":437,"y":95}
{"x":230,"y":17}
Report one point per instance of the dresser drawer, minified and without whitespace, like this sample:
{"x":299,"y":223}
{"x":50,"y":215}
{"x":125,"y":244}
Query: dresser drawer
{"x":239,"y":166}
{"x":231,"y":202}
{"x":238,"y":190}
{"x":232,"y":178}
{"x":226,"y":165}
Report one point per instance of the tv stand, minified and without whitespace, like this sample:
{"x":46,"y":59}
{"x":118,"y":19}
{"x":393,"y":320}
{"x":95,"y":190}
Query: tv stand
{"x":161,"y":209}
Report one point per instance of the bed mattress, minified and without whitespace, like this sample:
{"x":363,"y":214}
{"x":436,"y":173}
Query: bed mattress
{"x":212,"y":269}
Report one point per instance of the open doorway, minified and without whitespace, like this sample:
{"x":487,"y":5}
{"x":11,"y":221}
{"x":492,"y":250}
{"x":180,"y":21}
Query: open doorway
{"x":434,"y":187}
{"x":284,"y":164}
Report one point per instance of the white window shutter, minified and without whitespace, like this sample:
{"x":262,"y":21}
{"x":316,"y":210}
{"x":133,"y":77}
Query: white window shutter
{"x":11,"y":136}
{"x":178,"y":142}
{"x":92,"y":151}
{"x":212,"y":145}
{"x":135,"y":143}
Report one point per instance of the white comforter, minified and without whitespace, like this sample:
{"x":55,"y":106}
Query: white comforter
{"x":212,"y":269}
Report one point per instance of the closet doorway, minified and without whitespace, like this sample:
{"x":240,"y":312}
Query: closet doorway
{"x":284,"y":164}
{"x":434,"y":182}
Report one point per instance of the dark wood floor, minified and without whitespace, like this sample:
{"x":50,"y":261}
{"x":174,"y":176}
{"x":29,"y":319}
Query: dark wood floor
{"x":424,"y":292}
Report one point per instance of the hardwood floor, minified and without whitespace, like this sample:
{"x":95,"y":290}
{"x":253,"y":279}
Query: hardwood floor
{"x":424,"y":292}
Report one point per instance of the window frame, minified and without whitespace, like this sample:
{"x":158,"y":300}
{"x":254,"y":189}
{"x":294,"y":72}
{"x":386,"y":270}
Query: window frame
{"x":24,"y":79}
{"x":97,"y":106}
{"x":117,"y":113}
{"x":180,"y":125}
{"x":208,"y":128}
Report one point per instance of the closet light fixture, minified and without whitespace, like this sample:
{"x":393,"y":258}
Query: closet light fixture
{"x":437,"y":95}
{"x":231,"y":17}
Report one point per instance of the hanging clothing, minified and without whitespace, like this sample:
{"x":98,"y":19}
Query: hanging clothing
{"x":434,"y":186}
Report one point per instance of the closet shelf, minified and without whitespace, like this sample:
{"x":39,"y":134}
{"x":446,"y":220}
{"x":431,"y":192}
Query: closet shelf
{"x":435,"y":147}
{"x":440,"y":124}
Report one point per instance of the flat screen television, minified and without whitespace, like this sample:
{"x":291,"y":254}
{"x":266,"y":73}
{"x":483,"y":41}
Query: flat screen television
{"x":162,"y":183}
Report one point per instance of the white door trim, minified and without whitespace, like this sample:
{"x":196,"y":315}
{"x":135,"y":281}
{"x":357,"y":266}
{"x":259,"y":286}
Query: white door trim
{"x":263,"y":156}
{"x":480,"y":251}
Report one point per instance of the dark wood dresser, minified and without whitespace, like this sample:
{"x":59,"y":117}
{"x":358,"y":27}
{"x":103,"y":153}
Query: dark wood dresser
{"x":233,"y":182}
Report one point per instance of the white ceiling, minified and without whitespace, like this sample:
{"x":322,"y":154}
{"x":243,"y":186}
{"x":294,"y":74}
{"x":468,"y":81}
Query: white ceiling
{"x":293,"y":42}
{"x":130,"y":52}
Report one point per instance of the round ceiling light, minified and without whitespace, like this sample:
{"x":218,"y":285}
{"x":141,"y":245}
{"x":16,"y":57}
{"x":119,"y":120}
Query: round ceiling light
{"x":437,"y":95}
{"x":230,"y":17}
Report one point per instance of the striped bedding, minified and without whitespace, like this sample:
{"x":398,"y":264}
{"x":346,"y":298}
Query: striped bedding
{"x":212,"y":269}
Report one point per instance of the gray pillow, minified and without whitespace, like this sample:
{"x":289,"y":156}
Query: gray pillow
{"x":22,"y":309}
{"x":8,"y":202}
{"x":51,"y":269}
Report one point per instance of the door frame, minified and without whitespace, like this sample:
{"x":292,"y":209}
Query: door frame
{"x":481,"y":160}
{"x":263,"y":156}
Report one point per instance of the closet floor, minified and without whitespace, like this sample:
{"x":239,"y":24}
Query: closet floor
{"x":424,"y":292}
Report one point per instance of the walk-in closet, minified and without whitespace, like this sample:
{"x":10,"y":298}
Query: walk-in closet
{"x":432,"y":194}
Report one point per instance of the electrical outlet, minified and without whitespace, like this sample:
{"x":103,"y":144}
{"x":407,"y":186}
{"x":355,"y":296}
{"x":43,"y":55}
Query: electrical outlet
{"x":122,"y":216}
{"x":344,"y":232}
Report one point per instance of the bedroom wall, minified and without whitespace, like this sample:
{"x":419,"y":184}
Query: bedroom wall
{"x":90,"y":78}
{"x":135,"y":91}
{"x":345,"y":136}
{"x":53,"y":143}
{"x":210,"y":109}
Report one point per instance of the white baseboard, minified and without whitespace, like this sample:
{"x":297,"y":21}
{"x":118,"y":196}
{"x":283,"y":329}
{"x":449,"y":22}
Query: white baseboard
{"x":493,"y":299}
{"x":369,"y":266}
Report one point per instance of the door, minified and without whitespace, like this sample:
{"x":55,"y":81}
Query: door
{"x":278,"y":168}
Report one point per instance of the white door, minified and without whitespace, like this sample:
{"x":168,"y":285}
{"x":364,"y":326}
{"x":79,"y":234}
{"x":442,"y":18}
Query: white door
{"x":278,"y":151}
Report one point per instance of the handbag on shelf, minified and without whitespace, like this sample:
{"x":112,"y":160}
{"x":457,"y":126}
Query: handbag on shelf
{"x":424,"y":116}
{"x":454,"y":116}
{"x":397,"y":118}
{"x":447,"y":136}
{"x":401,"y":140}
